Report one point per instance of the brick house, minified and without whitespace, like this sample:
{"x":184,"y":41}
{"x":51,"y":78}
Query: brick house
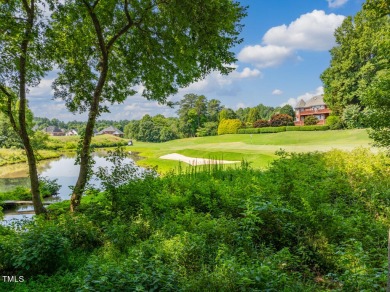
{"x":54,"y":131}
{"x":111,"y":131}
{"x":313,"y":107}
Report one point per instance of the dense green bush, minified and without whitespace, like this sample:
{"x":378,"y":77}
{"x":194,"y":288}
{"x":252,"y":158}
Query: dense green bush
{"x":228,"y":126}
{"x":352,"y":116}
{"x":310,"y":121}
{"x":273,"y":129}
{"x":311,"y":222}
{"x":261,"y":124}
{"x":41,"y":250}
{"x":248,"y":131}
{"x":307,"y":128}
{"x":334,"y":122}
{"x":261,"y":130}
{"x":208,"y":129}
{"x":281,"y":120}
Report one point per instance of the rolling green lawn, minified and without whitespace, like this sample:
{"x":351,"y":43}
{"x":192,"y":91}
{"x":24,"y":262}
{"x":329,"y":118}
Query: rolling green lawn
{"x":258,"y":149}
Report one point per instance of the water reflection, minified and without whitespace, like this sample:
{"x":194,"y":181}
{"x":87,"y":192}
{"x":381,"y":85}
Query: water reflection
{"x":63,"y":169}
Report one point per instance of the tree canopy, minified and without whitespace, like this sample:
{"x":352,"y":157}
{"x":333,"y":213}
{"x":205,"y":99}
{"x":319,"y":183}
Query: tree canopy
{"x":359,"y":69}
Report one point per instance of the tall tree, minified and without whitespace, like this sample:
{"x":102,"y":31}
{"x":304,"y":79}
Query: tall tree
{"x":22,"y":65}
{"x":360,"y":66}
{"x":361,"y":51}
{"x":106,"y":48}
{"x":253,"y":115}
{"x":287,"y":110}
{"x":213,"y":109}
{"x":226,"y":114}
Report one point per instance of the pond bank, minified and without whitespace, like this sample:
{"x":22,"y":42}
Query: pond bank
{"x":62,"y":169}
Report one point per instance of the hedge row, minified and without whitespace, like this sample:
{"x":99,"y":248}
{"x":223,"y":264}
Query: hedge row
{"x":307,"y":128}
{"x":262,"y":130}
{"x":282,"y":129}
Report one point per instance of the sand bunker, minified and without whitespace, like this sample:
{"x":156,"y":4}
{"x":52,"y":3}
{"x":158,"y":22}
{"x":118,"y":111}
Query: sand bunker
{"x":195,"y":161}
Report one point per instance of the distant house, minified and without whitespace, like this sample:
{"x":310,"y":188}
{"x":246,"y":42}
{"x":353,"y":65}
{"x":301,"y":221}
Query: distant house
{"x":313,"y":107}
{"x":71,"y":132}
{"x":54,"y":131}
{"x":111,"y":131}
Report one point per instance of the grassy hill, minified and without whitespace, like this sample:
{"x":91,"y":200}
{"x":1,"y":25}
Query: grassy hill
{"x":259,"y":149}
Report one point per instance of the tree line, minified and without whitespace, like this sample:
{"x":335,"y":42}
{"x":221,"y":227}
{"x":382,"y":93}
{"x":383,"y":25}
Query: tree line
{"x":197,"y":117}
{"x":357,"y":82}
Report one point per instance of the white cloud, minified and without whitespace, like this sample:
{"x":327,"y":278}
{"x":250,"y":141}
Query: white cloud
{"x":43,"y":89}
{"x":248,"y":72}
{"x":265,"y":56}
{"x":222,"y":84}
{"x":306,"y":96}
{"x":277,"y":92}
{"x":336,"y":3}
{"x":311,"y":31}
{"x":240,"y":105}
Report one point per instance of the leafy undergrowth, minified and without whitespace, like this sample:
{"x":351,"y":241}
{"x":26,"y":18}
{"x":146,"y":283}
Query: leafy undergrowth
{"x":311,"y":222}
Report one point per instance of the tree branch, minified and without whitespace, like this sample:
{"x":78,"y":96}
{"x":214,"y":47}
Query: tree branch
{"x":124,"y":29}
{"x":97,"y":27}
{"x":9,"y":108}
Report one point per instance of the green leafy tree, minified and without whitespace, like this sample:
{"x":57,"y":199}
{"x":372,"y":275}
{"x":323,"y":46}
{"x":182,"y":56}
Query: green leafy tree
{"x":208,"y":129}
{"x":8,"y":137}
{"x":242,"y":114}
{"x":23,"y":63}
{"x":376,"y":115}
{"x":361,"y":51}
{"x":213,"y":109}
{"x":287,"y":110}
{"x":106,"y":48}
{"x":227,"y":113}
{"x":253,"y":115}
{"x":352,"y":116}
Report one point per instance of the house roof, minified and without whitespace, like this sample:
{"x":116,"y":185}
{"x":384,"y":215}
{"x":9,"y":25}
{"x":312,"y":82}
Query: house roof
{"x":52,"y":129}
{"x":111,"y":129}
{"x":314,"y":101}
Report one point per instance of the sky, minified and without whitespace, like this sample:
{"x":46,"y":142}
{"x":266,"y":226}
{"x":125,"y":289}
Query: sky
{"x":285,"y":49}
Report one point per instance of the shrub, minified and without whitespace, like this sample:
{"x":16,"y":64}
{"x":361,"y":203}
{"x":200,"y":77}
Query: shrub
{"x":310,"y":121}
{"x":42,"y":250}
{"x":229,"y":126}
{"x":334,"y":122}
{"x":281,"y":120}
{"x":248,"y":131}
{"x":208,"y":129}
{"x":272,"y":130}
{"x":261,"y":130}
{"x":48,"y":187}
{"x":261,"y":124}
{"x":352,"y":116}
{"x":307,"y":128}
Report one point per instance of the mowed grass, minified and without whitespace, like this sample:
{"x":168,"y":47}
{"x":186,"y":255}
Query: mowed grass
{"x":258,"y":149}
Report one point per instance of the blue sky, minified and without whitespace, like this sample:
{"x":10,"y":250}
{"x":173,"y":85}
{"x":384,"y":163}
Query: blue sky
{"x":285,"y":49}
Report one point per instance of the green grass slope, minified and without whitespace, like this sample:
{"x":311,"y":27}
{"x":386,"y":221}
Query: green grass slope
{"x":258,"y":149}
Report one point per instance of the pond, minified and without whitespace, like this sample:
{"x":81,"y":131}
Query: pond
{"x":63,"y":169}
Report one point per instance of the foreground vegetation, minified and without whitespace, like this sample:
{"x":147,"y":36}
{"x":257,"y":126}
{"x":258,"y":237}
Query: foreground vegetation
{"x":314,"y":221}
{"x":258,"y":149}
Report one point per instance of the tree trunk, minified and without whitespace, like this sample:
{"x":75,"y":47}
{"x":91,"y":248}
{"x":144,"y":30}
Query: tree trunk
{"x":85,"y":157}
{"x":32,"y":166}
